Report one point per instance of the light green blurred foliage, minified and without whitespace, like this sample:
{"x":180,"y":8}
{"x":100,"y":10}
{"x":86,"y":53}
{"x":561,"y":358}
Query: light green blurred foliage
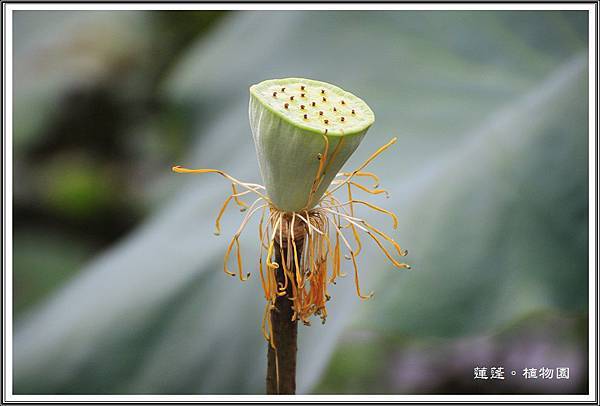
{"x":488,"y":179}
{"x":89,"y":133}
{"x":76,"y":187}
{"x":45,"y":261}
{"x":58,"y":51}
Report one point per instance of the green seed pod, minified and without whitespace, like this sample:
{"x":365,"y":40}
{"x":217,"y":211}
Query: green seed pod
{"x":291,"y":119}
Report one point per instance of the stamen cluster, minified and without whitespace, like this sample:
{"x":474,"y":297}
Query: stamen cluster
{"x":313,"y":239}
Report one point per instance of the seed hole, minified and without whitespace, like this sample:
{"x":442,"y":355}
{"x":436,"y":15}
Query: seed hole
{"x":286,"y":105}
{"x":302,"y":88}
{"x":322,"y":91}
{"x":342,"y":118}
{"x":291,"y":97}
{"x":334,"y":109}
{"x":324,"y":99}
{"x":302,"y":106}
{"x":343,"y":102}
{"x":301,"y":94}
{"x":326,"y":121}
{"x":283,"y":89}
{"x":305,"y":116}
{"x":320,"y":113}
{"x":353,"y":112}
{"x":274,"y":94}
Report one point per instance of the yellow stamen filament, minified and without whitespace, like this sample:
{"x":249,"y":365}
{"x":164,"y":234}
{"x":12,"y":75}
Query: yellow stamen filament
{"x":356,"y":282}
{"x":364,"y":164}
{"x":235,"y":196}
{"x":249,"y":186}
{"x":362,"y":174}
{"x":318,"y":175}
{"x":354,"y":232}
{"x":370,"y":191}
{"x":376,"y":208}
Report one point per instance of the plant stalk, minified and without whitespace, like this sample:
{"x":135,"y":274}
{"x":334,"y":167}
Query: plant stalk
{"x":281,"y":361}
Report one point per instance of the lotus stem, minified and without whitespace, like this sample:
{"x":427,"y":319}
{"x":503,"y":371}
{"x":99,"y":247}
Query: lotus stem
{"x":281,"y":353}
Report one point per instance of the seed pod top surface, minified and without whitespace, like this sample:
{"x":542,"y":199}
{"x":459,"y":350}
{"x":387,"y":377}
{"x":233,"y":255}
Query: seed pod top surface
{"x":304,"y":131}
{"x":326,"y":107}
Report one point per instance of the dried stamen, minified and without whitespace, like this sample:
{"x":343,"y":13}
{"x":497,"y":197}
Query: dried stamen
{"x":306,"y":267}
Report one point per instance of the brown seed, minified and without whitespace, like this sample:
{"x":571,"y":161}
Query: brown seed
{"x":313,"y":104}
{"x":353,"y":112}
{"x":286,"y":105}
{"x":291,"y":97}
{"x":305,"y":116}
{"x":343,"y":118}
{"x":343,"y":102}
{"x":274,"y":94}
{"x":324,"y":99}
{"x":334,"y":109}
{"x":320,"y":113}
{"x":283,"y":89}
{"x":322,"y":91}
{"x":302,"y":106}
{"x":326,"y":121}
{"x":301,"y":94}
{"x":302,"y":87}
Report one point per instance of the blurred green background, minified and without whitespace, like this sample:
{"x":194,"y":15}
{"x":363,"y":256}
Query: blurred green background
{"x":118,"y":286}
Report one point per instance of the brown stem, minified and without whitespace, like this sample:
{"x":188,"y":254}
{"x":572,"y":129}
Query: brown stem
{"x":281,"y":362}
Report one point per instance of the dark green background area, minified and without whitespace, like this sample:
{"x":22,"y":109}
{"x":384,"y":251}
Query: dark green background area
{"x":118,"y":286}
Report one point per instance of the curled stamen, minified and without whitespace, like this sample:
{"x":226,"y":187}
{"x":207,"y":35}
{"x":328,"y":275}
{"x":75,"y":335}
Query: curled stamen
{"x":364,"y":164}
{"x":376,"y":208}
{"x":362,"y":174}
{"x":370,"y":191}
{"x":249,"y":186}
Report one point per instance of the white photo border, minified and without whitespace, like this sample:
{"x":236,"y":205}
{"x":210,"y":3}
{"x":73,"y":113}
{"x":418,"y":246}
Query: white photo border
{"x":8,"y":7}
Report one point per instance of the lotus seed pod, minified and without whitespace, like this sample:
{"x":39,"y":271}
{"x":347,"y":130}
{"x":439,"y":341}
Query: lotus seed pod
{"x":293,"y":122}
